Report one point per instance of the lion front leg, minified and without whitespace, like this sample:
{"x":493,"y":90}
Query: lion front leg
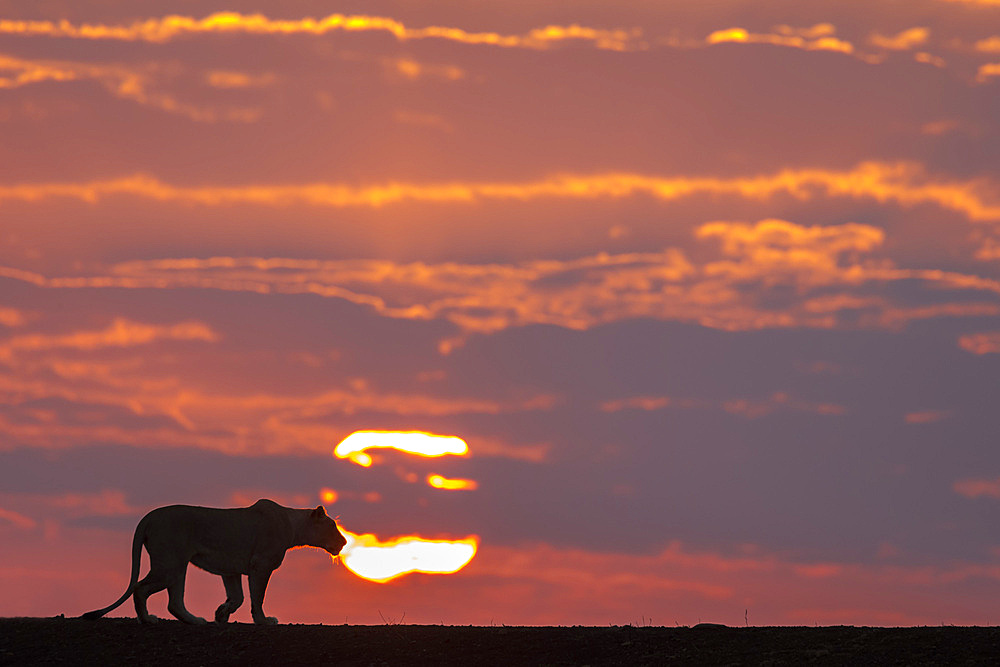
{"x":258,"y":584}
{"x":234,"y":598}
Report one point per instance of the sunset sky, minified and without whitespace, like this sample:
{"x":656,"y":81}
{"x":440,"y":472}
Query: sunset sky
{"x":710,"y":289}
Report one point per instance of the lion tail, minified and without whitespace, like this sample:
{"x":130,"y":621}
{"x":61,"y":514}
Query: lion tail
{"x":137,"y":541}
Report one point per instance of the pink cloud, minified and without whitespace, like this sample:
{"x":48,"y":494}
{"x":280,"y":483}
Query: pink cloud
{"x":981,"y":343}
{"x":976,"y":488}
{"x":17,"y":519}
{"x":926,"y":416}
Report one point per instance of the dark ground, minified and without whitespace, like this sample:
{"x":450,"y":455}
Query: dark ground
{"x":47,"y":641}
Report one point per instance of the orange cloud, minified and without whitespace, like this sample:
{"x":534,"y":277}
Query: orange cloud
{"x":930,"y":59}
{"x":728,"y":290}
{"x":174,"y":26}
{"x":981,"y":343}
{"x":904,"y":183}
{"x":902,"y":41}
{"x":11,"y":317}
{"x":988,"y":250}
{"x":258,"y":422}
{"x":120,"y":333}
{"x":777,"y":245}
{"x":989,"y":44}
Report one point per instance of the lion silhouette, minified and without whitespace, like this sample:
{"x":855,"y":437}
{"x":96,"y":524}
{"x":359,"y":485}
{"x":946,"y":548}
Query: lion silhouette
{"x":227,"y":542}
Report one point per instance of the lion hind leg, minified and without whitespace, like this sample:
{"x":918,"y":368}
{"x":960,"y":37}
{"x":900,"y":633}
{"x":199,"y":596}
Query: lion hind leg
{"x":175,"y":605}
{"x":234,"y":598}
{"x":154,"y":582}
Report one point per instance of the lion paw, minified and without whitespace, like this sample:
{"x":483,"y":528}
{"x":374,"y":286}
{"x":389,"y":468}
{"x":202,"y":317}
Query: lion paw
{"x":149,"y":618}
{"x":267,"y":620}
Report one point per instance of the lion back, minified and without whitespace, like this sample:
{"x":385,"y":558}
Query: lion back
{"x":220,"y":541}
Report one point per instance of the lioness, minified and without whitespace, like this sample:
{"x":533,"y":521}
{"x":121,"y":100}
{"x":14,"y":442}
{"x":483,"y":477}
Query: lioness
{"x":227,"y":542}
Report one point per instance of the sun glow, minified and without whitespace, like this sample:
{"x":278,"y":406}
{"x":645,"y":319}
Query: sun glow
{"x":372,"y":559}
{"x":412,"y":442}
{"x":439,"y":482}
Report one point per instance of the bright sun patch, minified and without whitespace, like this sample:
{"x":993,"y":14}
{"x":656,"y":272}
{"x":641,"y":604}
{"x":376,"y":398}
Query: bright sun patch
{"x":412,"y":442}
{"x":369,"y":558}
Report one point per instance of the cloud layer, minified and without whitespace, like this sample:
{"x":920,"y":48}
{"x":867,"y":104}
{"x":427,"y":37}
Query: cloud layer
{"x":711,"y":291}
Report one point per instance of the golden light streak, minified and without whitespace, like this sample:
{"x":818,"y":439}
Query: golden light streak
{"x":412,"y":442}
{"x":987,"y":71}
{"x":818,"y":38}
{"x":24,"y":72}
{"x":902,"y":41}
{"x":989,"y":44}
{"x":439,"y":482}
{"x":170,"y":27}
{"x":903,"y":183}
{"x":229,"y":79}
{"x":985,"y":3}
{"x":413,"y":70}
{"x":372,"y":559}
{"x":128,"y":83}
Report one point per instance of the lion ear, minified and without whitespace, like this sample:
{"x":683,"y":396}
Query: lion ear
{"x":319,"y":511}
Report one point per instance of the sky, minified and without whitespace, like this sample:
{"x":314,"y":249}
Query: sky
{"x":711,"y":290}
